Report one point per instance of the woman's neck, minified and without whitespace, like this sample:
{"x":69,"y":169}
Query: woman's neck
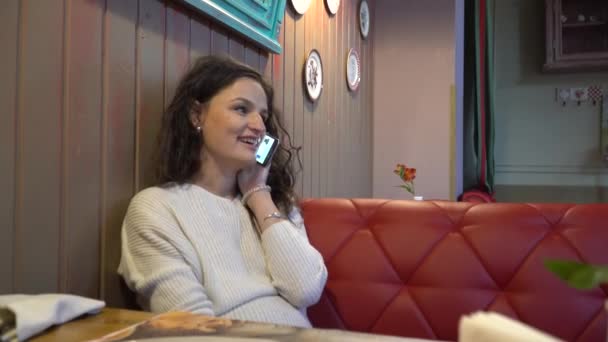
{"x":217,"y":180}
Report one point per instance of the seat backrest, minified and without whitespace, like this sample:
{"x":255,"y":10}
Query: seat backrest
{"x":413,"y":268}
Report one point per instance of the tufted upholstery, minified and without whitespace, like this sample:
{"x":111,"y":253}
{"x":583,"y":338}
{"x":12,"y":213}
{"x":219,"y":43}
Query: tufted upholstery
{"x":413,"y":268}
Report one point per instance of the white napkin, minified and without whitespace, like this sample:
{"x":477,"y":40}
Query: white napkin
{"x":491,"y":326}
{"x":35,"y":313}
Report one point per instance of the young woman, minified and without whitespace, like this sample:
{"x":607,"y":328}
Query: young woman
{"x":221,"y":235}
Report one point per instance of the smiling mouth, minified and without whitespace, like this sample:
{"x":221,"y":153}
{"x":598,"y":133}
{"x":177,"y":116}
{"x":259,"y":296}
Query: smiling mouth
{"x":254,"y":142}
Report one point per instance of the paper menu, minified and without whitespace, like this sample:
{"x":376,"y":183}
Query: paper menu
{"x":491,"y":326}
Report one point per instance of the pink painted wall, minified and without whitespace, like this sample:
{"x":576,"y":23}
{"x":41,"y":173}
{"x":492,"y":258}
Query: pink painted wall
{"x":414,"y":70}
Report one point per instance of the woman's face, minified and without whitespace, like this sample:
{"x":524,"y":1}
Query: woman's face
{"x":232,"y":124}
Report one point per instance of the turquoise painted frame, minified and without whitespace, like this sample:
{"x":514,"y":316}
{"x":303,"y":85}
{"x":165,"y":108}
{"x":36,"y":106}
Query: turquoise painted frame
{"x":259,"y":20}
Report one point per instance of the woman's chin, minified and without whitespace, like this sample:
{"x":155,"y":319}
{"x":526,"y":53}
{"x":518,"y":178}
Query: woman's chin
{"x":246,"y":161}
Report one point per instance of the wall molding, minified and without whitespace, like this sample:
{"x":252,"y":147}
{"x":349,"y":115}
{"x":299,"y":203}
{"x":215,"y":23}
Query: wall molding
{"x":560,"y":175}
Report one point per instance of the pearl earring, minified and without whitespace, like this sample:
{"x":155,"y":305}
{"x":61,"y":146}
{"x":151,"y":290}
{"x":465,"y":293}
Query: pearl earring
{"x":198,"y":128}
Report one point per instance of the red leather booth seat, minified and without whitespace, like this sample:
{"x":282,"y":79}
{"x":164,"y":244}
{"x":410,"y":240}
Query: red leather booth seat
{"x":412,"y":268}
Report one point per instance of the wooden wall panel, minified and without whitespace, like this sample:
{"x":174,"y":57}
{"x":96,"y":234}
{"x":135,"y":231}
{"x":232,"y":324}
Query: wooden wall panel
{"x":318,"y":110}
{"x":118,"y":149}
{"x":308,"y":110}
{"x":299,"y":58}
{"x":237,"y":50}
{"x":285,"y":102}
{"x":40,"y":192}
{"x":330,"y":148}
{"x":367,"y":89}
{"x":277,"y":66}
{"x":9,"y":40}
{"x":200,"y":38}
{"x":252,"y":57}
{"x":219,"y":40}
{"x":84,"y":85}
{"x":82,"y":146}
{"x":344,"y":113}
{"x":151,"y":76}
{"x":176,"y":49}
{"x":323,"y":122}
{"x":265,"y":64}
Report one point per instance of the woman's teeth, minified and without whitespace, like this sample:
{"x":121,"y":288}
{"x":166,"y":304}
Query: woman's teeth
{"x":251,"y":141}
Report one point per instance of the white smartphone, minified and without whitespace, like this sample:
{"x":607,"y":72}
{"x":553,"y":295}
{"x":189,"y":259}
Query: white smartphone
{"x":266,"y":149}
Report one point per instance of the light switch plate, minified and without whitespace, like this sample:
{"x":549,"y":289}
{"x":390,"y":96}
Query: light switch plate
{"x":562,"y":94}
{"x":579,"y":94}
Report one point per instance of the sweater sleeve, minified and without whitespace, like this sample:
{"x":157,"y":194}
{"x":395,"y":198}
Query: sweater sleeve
{"x":296,"y":267}
{"x":159,"y":263}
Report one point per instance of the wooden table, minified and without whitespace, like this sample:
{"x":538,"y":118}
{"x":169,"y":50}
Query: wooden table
{"x":90,"y":327}
{"x":110,"y":320}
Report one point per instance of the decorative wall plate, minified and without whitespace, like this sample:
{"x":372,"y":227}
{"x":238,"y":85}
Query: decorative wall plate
{"x":364,"y":18}
{"x":332,"y":6}
{"x":313,"y":75}
{"x":353,"y":70}
{"x":301,"y":6}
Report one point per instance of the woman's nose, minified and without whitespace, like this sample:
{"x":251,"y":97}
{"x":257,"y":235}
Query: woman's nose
{"x":256,"y":123}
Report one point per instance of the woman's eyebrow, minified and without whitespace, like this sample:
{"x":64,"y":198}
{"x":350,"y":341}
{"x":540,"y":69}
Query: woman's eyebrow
{"x":242,"y":99}
{"x":248,"y":103}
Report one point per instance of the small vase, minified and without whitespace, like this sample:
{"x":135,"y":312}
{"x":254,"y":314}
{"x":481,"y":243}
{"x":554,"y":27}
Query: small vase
{"x":418,"y":198}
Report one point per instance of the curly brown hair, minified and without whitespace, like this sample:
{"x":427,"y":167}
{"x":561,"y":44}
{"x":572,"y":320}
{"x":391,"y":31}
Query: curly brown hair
{"x":179,"y":159}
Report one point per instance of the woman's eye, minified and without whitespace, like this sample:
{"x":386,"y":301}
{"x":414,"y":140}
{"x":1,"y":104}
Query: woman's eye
{"x":241,"y":109}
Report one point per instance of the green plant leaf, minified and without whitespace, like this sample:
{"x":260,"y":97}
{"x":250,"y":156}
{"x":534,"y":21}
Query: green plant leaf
{"x":578,"y":275}
{"x":407,"y":187}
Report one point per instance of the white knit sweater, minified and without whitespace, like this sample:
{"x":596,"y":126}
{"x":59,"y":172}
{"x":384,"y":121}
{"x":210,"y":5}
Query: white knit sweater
{"x":184,"y":248}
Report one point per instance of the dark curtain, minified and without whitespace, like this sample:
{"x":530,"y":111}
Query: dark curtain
{"x":478,"y":156}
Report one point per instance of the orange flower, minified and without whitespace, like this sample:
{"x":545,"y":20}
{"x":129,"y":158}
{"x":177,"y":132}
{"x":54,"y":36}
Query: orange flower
{"x":399,"y":169}
{"x":410,"y":174}
{"x":407,"y":175}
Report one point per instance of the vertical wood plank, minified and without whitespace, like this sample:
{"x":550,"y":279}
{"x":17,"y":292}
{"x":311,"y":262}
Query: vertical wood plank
{"x":317,"y":109}
{"x":352,"y":19}
{"x":353,"y":113}
{"x":263,"y":63}
{"x":9,"y":40}
{"x":335,"y":115}
{"x":289,"y":86}
{"x":200,"y":38}
{"x":219,"y":40}
{"x":369,"y":86}
{"x":118,"y":136}
{"x":357,"y":150}
{"x":176,"y":49}
{"x":151,"y":79}
{"x":343,"y":112}
{"x":363,"y":126}
{"x":331,"y":112}
{"x":39,"y":192}
{"x":83,"y":175}
{"x":278,"y":82}
{"x":299,"y":98}
{"x":307,"y":110}
{"x":237,"y":49}
{"x":329,"y":92}
{"x":252,"y":57}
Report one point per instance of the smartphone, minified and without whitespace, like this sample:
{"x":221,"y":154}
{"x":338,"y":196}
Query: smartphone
{"x":266,"y":149}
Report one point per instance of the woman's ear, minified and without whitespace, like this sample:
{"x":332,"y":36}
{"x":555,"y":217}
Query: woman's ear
{"x":196,"y":113}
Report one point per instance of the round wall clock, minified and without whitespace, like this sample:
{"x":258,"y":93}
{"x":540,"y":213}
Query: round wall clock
{"x":353,"y":70}
{"x":301,"y":6}
{"x":332,"y":6}
{"x":313,"y":75}
{"x":364,"y":18}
